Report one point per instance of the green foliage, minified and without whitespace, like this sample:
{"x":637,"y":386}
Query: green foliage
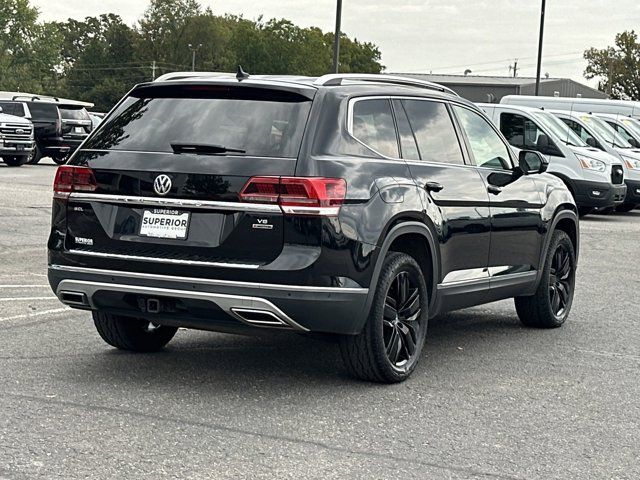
{"x":617,"y":67}
{"x":100,"y":58}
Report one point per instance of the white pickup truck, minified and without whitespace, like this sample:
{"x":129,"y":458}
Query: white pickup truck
{"x":16,"y":139}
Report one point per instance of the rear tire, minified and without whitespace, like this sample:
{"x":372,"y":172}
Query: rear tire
{"x":132,"y":334}
{"x":15,"y":161}
{"x":390,"y":345}
{"x":625,"y":208}
{"x":550,"y":306}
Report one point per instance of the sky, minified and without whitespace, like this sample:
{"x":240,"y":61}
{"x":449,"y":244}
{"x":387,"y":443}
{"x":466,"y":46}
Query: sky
{"x":422,"y":36}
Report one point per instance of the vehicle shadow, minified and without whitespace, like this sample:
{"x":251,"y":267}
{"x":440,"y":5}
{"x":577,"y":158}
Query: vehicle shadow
{"x":209,"y":364}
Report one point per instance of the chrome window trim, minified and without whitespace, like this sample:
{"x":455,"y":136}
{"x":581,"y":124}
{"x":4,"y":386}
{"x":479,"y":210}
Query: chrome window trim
{"x":209,"y":281}
{"x":175,"y":203}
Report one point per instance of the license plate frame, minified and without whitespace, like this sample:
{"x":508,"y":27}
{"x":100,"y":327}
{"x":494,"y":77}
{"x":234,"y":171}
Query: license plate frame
{"x":164,"y":224}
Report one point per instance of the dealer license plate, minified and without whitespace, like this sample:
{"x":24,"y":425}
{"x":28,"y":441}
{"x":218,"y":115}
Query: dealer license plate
{"x":165,"y":224}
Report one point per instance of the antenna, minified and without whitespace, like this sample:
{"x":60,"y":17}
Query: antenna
{"x":241,"y":74}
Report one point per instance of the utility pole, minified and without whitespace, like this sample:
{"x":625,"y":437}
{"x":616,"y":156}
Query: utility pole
{"x":610,"y":86}
{"x":194,"y":49}
{"x":336,"y":38}
{"x":540,"y":41}
{"x":514,"y":68}
{"x":153,"y":70}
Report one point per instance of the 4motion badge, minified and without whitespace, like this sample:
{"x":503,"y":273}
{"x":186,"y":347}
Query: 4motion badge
{"x":263,"y":224}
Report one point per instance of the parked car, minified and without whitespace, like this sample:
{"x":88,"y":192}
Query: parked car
{"x":595,"y":178}
{"x":47,"y":122}
{"x":355,"y":206}
{"x":96,"y":118}
{"x":601,"y":135}
{"x":16,"y":139}
{"x":76,"y":124}
{"x":585,"y":105}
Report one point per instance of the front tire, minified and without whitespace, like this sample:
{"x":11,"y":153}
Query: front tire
{"x":625,"y":207}
{"x":132,"y":334}
{"x":36,"y":155}
{"x":390,"y":345}
{"x":550,"y":306}
{"x":584,"y":211}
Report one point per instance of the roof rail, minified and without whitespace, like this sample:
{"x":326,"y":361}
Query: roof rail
{"x":34,"y":97}
{"x":336,"y":79}
{"x":185,"y":75}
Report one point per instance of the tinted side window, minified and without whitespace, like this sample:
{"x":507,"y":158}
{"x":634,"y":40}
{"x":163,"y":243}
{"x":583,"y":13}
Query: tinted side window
{"x":74,"y":114}
{"x":522,"y":132}
{"x":44,"y":110}
{"x":434,"y":131}
{"x":373,"y":125}
{"x":621,"y":131}
{"x":488,"y":148}
{"x":577,"y":128}
{"x":8,"y":108}
{"x":407,"y":139}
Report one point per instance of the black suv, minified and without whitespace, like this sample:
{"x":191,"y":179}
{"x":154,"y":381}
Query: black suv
{"x":76,"y":125}
{"x":47,"y":122}
{"x":353,"y":205}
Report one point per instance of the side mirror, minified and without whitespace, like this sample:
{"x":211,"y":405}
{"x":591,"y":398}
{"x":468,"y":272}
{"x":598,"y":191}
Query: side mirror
{"x":531,"y":162}
{"x":592,"y":142}
{"x":634,"y":143}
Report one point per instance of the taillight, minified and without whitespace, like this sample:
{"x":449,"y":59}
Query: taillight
{"x":297,"y":195}
{"x":73,"y":179}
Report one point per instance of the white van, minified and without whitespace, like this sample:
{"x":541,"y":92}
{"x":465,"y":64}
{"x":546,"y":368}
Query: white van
{"x":595,"y":178}
{"x":587,"y":105}
{"x":599,"y":134}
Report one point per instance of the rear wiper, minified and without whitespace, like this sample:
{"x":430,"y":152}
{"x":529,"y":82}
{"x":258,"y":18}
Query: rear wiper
{"x":203,"y":148}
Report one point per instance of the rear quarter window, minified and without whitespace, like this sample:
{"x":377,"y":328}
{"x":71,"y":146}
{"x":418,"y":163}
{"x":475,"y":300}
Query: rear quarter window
{"x":261,"y":122}
{"x":74,"y":113}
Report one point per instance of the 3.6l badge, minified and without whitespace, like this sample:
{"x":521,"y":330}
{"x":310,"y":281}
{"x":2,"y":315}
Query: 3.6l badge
{"x":263,"y":224}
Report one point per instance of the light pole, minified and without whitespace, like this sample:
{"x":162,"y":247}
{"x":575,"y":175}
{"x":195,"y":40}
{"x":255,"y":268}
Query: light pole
{"x":336,"y":38}
{"x":544,"y":3}
{"x":194,"y":49}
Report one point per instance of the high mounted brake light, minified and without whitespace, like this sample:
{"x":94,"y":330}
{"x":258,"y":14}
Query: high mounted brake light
{"x":73,"y":179}
{"x":297,"y":195}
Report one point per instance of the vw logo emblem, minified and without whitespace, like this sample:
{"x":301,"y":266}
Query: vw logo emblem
{"x":162,"y":184}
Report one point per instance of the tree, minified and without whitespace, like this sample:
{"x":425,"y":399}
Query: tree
{"x":617,"y":67}
{"x":29,"y":53}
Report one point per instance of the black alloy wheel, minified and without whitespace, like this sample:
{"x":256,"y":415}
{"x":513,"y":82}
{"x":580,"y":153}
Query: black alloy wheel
{"x":401,"y":319}
{"x":560,"y":281}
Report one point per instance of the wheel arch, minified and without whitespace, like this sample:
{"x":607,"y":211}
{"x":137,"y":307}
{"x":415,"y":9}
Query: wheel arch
{"x":566,"y":220}
{"x":415,"y":239}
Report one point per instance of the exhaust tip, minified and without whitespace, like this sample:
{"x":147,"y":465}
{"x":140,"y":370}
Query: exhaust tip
{"x":74,"y":298}
{"x":260,"y":318}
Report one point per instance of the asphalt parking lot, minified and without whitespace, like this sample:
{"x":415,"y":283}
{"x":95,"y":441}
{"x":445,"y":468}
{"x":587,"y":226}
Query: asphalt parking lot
{"x":491,"y":399}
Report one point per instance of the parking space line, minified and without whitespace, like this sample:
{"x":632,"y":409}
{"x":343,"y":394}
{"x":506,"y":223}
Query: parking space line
{"x":35,"y":314}
{"x":25,"y":286}
{"x":12,"y":299}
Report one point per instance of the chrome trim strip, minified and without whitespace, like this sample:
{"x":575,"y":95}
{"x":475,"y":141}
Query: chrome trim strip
{"x":171,"y":261}
{"x":319,"y":211}
{"x":487,"y":280}
{"x":209,"y":281}
{"x":176,"y":203}
{"x":225,"y":302}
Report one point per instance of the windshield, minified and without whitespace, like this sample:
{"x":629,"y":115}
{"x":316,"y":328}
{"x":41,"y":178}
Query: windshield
{"x":560,"y":129}
{"x":604,"y":132}
{"x":260,"y":122}
{"x":632,"y":125}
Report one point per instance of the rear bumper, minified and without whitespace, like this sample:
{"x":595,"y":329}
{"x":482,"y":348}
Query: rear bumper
{"x":208,"y":304}
{"x":598,"y":194}
{"x":54,"y":146}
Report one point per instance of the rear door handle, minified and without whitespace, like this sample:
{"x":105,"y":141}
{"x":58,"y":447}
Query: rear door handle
{"x":494,"y":190}
{"x":433,"y":187}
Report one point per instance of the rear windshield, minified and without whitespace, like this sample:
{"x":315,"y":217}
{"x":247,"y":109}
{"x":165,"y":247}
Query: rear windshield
{"x":74,"y":113}
{"x":259,"y":122}
{"x":44,"y":110}
{"x":12,"y":108}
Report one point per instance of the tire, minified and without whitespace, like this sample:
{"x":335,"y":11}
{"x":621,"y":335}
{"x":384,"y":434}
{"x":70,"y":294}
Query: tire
{"x":550,"y":306}
{"x":625,"y":207}
{"x":132,"y":334}
{"x":389,"y":333}
{"x":583,"y":211}
{"x":36,"y":155}
{"x":15,"y":161}
{"x":60,"y":160}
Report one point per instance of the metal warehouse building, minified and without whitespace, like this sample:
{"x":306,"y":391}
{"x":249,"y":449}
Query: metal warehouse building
{"x":492,"y":89}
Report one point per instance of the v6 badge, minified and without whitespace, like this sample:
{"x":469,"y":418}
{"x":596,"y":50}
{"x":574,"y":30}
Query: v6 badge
{"x":263,"y":224}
